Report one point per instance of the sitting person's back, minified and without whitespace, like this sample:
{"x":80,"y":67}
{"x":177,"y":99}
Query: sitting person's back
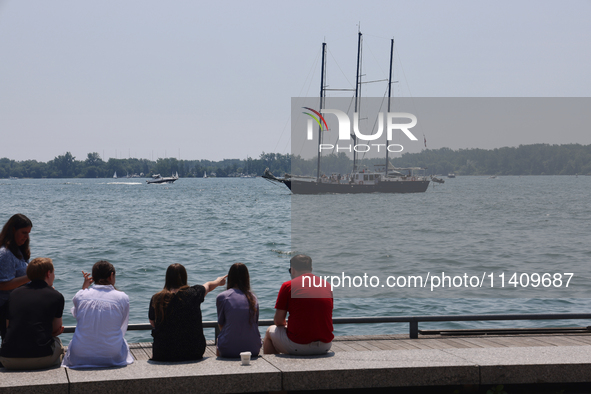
{"x":102,"y":315}
{"x":34,"y":321}
{"x":308,"y":299}
{"x":178,"y":334}
{"x":238,"y":316}
{"x":175,"y":315}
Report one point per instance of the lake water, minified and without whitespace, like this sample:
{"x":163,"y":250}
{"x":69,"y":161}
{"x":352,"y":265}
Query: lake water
{"x":468,"y":224}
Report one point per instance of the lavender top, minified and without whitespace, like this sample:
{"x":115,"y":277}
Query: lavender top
{"x":238,"y":334}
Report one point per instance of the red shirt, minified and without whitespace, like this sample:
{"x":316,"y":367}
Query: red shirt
{"x":309,"y":307}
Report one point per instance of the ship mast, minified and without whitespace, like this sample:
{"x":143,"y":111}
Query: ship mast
{"x":389,"y":96}
{"x":322,"y":75}
{"x":357,"y":94}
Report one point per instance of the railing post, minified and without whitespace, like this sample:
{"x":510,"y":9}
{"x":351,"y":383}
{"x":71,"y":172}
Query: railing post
{"x":414,"y":329}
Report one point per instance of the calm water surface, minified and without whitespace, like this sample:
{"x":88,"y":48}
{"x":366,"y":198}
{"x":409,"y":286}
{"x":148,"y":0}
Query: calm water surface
{"x":209,"y":224}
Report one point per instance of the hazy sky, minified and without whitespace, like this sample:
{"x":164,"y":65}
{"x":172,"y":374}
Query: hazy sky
{"x":214,"y":80}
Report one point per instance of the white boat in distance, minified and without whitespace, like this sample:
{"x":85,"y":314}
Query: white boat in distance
{"x":204,"y":174}
{"x":115,"y":175}
{"x":158,"y":179}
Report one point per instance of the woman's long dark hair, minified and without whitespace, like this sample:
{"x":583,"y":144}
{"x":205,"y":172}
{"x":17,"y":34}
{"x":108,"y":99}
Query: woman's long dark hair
{"x":16,"y":222}
{"x":239,"y":278}
{"x":176,"y":278}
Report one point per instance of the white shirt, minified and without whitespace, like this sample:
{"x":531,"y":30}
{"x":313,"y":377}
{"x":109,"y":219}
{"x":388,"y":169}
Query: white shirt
{"x":102,"y":314}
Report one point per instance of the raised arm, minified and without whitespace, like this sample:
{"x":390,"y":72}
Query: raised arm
{"x":209,"y":286}
{"x":87,"y":280}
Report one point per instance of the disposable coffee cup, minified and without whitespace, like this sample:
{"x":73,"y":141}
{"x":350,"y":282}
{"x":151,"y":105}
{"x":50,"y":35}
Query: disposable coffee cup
{"x":245,"y":357}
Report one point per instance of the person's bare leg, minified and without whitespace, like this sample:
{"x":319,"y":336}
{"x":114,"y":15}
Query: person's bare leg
{"x":268,"y":347}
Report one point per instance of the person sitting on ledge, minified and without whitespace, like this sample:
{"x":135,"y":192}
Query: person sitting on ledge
{"x":238,"y":316}
{"x":102,"y":314}
{"x":14,"y":257}
{"x":175,"y":315}
{"x":309,"y":328}
{"x":34,"y":320}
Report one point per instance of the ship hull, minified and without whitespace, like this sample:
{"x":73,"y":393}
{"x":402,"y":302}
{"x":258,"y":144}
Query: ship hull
{"x":304,"y":187}
{"x":163,"y":180}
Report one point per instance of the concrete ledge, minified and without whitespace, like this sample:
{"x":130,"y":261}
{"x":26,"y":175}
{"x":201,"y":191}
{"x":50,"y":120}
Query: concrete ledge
{"x":209,"y":375}
{"x":341,"y":370}
{"x":51,"y":381}
{"x":530,"y":365}
{"x":388,"y":368}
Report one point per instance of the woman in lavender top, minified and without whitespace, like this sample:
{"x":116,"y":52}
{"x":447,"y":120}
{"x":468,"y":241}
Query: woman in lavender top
{"x":238,"y":316}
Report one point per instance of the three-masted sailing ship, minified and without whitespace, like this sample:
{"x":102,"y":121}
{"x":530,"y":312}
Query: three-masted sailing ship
{"x":382,"y":179}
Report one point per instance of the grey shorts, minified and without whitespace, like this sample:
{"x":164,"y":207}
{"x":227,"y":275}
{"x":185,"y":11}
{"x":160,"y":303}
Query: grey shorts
{"x":53,"y":360}
{"x":283,"y":344}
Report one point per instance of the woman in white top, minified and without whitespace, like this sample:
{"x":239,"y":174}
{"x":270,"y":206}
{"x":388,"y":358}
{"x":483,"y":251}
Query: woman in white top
{"x":102,"y":314}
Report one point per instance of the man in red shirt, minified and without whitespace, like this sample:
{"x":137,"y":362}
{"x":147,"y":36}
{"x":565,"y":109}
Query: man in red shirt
{"x":308,"y":299}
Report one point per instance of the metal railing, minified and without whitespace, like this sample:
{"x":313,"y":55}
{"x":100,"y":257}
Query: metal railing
{"x":412,"y":320}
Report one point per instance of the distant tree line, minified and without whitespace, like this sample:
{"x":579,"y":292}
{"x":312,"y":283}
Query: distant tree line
{"x":66,"y":166}
{"x":536,"y":159}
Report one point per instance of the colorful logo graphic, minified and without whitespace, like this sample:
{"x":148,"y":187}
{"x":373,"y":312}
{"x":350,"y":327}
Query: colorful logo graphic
{"x":315,"y":118}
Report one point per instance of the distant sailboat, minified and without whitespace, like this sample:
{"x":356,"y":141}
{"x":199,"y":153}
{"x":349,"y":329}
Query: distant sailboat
{"x":115,"y":175}
{"x":204,"y":174}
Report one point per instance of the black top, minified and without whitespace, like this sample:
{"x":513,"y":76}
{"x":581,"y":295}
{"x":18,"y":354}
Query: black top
{"x":179,"y":335}
{"x":31,"y":310}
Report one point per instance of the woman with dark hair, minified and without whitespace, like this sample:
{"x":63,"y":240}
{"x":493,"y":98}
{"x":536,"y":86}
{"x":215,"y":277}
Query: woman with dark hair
{"x":238,"y":316}
{"x":102,"y":314}
{"x":14,"y":257}
{"x":175,"y":315}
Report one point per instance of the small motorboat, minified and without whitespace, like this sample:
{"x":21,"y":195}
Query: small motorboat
{"x":159,"y":179}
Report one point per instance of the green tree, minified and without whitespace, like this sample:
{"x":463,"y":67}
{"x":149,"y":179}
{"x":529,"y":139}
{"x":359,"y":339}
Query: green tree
{"x":94,"y":159}
{"x":65,"y":165}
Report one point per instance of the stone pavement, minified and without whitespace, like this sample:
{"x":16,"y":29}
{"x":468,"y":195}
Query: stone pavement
{"x":355,"y":362}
